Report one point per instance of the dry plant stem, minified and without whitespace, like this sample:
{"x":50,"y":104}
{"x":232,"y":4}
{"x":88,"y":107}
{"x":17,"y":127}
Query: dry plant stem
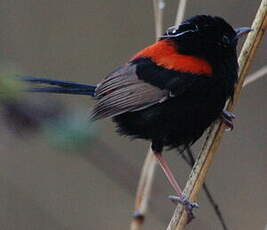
{"x":255,"y":76}
{"x":144,"y":190}
{"x":158,"y":14}
{"x":204,"y":160}
{"x":180,"y":12}
{"x":147,"y":174}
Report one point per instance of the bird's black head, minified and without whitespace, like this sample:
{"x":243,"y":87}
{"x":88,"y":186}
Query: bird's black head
{"x":206,"y":37}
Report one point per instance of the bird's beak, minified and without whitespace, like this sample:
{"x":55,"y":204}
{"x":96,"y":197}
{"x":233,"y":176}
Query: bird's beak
{"x":242,"y":31}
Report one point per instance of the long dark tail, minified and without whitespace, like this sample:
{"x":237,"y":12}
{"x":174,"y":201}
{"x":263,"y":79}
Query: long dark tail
{"x":58,"y":86}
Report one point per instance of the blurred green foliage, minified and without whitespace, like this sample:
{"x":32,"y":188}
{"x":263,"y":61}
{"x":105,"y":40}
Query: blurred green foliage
{"x":34,"y":114}
{"x":71,"y":132}
{"x":10,"y":87}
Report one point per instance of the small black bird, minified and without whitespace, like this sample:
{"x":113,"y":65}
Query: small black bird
{"x":170,"y":92}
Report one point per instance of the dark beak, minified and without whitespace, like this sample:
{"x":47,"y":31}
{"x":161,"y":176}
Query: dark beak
{"x":242,"y":31}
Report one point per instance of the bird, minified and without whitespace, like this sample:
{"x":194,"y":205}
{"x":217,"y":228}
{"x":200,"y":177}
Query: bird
{"x":170,"y":92}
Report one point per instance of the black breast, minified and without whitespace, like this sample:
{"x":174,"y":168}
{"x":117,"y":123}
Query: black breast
{"x":181,"y":119}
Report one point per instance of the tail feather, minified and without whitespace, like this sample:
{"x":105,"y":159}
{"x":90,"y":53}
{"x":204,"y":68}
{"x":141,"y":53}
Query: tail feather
{"x":60,"y":90}
{"x":59,"y":86}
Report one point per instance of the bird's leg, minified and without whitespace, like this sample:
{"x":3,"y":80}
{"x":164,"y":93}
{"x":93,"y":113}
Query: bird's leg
{"x":227,"y":118}
{"x":168,"y":173}
{"x":180,"y":198}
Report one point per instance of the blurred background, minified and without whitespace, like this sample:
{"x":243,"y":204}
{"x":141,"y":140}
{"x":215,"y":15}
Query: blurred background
{"x":49,"y":183}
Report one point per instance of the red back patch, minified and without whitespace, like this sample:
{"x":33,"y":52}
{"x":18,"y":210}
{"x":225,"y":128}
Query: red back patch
{"x":164,"y":54}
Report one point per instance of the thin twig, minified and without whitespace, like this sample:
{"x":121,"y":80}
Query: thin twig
{"x":204,"y":160}
{"x":149,"y":167}
{"x":180,"y":12}
{"x":159,"y":6}
{"x":255,"y":76}
{"x":144,"y":190}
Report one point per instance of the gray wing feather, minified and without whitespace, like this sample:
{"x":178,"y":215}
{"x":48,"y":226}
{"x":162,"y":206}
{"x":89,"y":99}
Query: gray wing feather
{"x":122,"y":92}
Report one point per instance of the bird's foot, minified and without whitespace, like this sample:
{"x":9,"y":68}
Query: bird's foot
{"x":227,"y":118}
{"x":188,"y":205}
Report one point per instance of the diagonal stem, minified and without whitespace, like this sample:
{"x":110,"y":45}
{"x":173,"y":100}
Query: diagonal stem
{"x":255,"y":76}
{"x":180,"y":12}
{"x":144,"y":190}
{"x":190,"y":160}
{"x":204,"y":160}
{"x":149,"y":167}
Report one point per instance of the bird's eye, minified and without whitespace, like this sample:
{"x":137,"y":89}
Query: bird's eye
{"x":226,"y":40}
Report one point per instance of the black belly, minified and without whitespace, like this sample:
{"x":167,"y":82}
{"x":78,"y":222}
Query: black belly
{"x":174,"y":123}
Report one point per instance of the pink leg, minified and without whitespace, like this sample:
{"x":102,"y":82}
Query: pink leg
{"x":167,"y":171}
{"x":180,"y":198}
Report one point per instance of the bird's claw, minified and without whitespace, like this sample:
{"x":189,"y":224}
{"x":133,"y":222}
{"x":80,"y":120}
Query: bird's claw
{"x":227,"y":118}
{"x":188,"y":205}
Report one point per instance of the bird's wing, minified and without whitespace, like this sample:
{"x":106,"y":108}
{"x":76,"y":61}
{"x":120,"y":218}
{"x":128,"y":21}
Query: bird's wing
{"x":122,"y":91}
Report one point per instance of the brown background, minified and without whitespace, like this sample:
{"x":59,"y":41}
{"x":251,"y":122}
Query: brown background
{"x":83,"y":40}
